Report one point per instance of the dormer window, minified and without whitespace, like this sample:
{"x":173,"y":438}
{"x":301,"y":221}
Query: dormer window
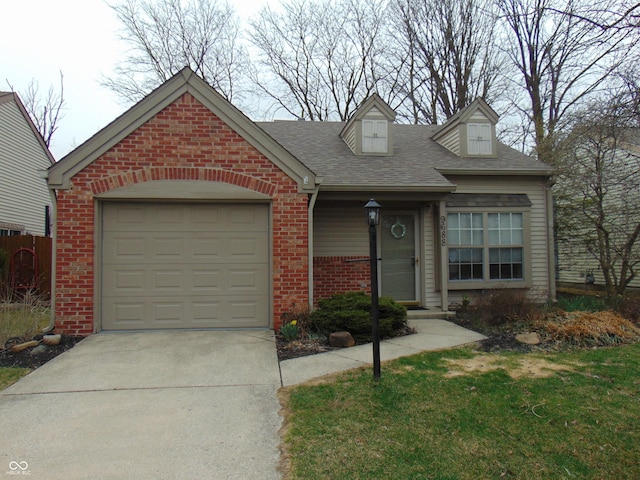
{"x":471,"y":132}
{"x":479,"y":139}
{"x":369,"y":130}
{"x":374,"y":136}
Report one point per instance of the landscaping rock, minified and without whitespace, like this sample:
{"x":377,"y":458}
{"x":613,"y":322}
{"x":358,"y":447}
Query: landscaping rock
{"x":39,"y":350}
{"x":531,"y":338}
{"x":23,"y":346}
{"x":52,"y":339}
{"x":341,"y":339}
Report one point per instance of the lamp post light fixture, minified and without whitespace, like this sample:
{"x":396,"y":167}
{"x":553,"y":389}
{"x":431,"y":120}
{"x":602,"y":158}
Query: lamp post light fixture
{"x":372,"y":208}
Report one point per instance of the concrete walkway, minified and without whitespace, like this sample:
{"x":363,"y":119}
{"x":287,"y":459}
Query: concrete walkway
{"x":171,"y":405}
{"x":431,"y":334}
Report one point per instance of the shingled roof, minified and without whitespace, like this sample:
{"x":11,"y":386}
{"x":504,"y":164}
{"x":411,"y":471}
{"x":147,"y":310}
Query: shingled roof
{"x":418,"y":162}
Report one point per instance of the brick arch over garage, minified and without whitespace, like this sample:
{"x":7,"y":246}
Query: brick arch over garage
{"x":153,"y":174}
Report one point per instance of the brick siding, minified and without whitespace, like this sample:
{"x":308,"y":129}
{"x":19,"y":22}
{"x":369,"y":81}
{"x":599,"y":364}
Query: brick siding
{"x":185,"y":141}
{"x":339,"y":275}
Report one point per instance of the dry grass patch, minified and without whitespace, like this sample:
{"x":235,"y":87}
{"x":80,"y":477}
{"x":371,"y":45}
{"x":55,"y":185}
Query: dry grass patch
{"x":529,"y":367}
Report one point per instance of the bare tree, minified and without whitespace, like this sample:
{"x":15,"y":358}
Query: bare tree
{"x":561,"y":59}
{"x":598,"y":193}
{"x":165,"y":36}
{"x":319,"y":58}
{"x":45,"y":110}
{"x":450,"y":55}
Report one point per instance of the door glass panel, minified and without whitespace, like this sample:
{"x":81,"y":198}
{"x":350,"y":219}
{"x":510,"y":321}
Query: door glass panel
{"x":398,"y":264}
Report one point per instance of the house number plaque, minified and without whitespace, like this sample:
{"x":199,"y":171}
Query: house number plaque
{"x":443,"y":230}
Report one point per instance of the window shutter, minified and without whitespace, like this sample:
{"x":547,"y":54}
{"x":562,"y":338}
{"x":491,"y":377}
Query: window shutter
{"x":374,"y":136}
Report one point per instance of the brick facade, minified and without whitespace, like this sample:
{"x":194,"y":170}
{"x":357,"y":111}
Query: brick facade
{"x":185,"y":141}
{"x":340,"y":275}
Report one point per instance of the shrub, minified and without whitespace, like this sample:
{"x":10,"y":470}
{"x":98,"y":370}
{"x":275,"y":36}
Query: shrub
{"x":351,"y":312}
{"x":299,"y":315}
{"x":629,"y":308}
{"x":502,"y":307}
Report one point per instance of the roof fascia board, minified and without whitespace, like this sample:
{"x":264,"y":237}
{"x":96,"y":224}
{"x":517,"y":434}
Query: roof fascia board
{"x":497,"y":173}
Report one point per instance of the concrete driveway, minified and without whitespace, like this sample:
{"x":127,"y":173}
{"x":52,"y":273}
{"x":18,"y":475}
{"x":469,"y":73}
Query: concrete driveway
{"x":152,"y":405}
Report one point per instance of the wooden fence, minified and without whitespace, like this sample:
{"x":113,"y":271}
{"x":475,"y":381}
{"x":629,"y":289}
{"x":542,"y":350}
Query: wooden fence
{"x":42,"y":248}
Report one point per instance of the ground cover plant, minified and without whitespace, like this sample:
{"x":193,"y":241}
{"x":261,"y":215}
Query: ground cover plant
{"x":468,"y":414}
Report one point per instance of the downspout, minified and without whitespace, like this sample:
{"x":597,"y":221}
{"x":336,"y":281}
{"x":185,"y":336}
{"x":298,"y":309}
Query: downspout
{"x":54,"y":233}
{"x":551,"y":239}
{"x":312,"y":203}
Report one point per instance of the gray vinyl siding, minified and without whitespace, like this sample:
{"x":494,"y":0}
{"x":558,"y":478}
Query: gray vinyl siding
{"x":340,"y":232}
{"x":452,"y":141}
{"x":24,"y":191}
{"x":539,"y":247}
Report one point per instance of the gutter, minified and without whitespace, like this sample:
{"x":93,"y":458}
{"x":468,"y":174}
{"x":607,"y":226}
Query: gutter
{"x":54,"y":233}
{"x":312,"y":203}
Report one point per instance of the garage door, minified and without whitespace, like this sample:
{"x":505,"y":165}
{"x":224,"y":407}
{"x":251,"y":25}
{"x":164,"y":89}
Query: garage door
{"x":184,"y":266}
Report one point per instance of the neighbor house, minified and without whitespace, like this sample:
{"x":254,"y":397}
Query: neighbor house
{"x":24,"y":157}
{"x":600,"y":191}
{"x":184,"y":213}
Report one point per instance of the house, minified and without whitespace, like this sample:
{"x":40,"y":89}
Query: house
{"x":23,"y":157}
{"x":184,"y":213}
{"x":600,"y":191}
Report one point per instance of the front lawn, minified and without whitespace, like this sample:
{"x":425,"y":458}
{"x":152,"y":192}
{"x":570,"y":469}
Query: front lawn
{"x":465,"y":414}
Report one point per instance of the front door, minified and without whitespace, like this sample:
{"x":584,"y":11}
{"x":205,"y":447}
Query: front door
{"x":399,"y":265}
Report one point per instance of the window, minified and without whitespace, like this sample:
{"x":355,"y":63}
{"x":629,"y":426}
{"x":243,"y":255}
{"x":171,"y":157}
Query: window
{"x":465,"y":231}
{"x":374,"y":136}
{"x":486,"y":246}
{"x":479,"y":137}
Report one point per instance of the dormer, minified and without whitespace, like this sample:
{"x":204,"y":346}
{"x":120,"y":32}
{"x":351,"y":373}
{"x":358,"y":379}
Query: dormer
{"x":471,"y":132}
{"x":368,"y":131}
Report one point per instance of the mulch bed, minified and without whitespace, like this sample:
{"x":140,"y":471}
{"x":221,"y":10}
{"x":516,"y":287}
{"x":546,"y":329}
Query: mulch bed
{"x":498,"y":339}
{"x":25,"y":359}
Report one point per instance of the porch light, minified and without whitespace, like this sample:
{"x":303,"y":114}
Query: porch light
{"x":372,"y":208}
{"x":373,"y":212}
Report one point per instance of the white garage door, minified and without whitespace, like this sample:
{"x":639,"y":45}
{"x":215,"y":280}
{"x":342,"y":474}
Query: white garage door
{"x":184,"y":266}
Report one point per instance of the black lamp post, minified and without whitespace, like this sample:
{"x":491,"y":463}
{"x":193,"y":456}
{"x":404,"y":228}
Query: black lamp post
{"x":373,"y":219}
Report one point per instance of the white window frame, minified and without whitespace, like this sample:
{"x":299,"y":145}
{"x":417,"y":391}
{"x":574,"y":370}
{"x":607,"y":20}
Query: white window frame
{"x":479,"y":139}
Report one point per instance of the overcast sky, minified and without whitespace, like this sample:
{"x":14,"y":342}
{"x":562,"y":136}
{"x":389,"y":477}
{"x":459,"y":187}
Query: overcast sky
{"x":40,"y":38}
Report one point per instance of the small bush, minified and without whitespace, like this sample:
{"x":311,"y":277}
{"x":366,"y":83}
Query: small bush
{"x":351,"y":312}
{"x":298,"y":316}
{"x":290,"y":331}
{"x":629,"y":308}
{"x":502,"y":307}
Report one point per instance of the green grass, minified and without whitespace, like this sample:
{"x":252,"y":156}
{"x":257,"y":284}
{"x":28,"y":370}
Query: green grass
{"x":9,"y":375}
{"x":418,"y":422}
{"x":583,"y":303}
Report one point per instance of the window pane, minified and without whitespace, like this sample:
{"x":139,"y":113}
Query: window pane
{"x":505,"y":264}
{"x":465,"y":264}
{"x":453,"y":220}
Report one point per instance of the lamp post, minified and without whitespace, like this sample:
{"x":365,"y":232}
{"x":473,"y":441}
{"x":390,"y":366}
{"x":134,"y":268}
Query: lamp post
{"x":372,"y":208}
